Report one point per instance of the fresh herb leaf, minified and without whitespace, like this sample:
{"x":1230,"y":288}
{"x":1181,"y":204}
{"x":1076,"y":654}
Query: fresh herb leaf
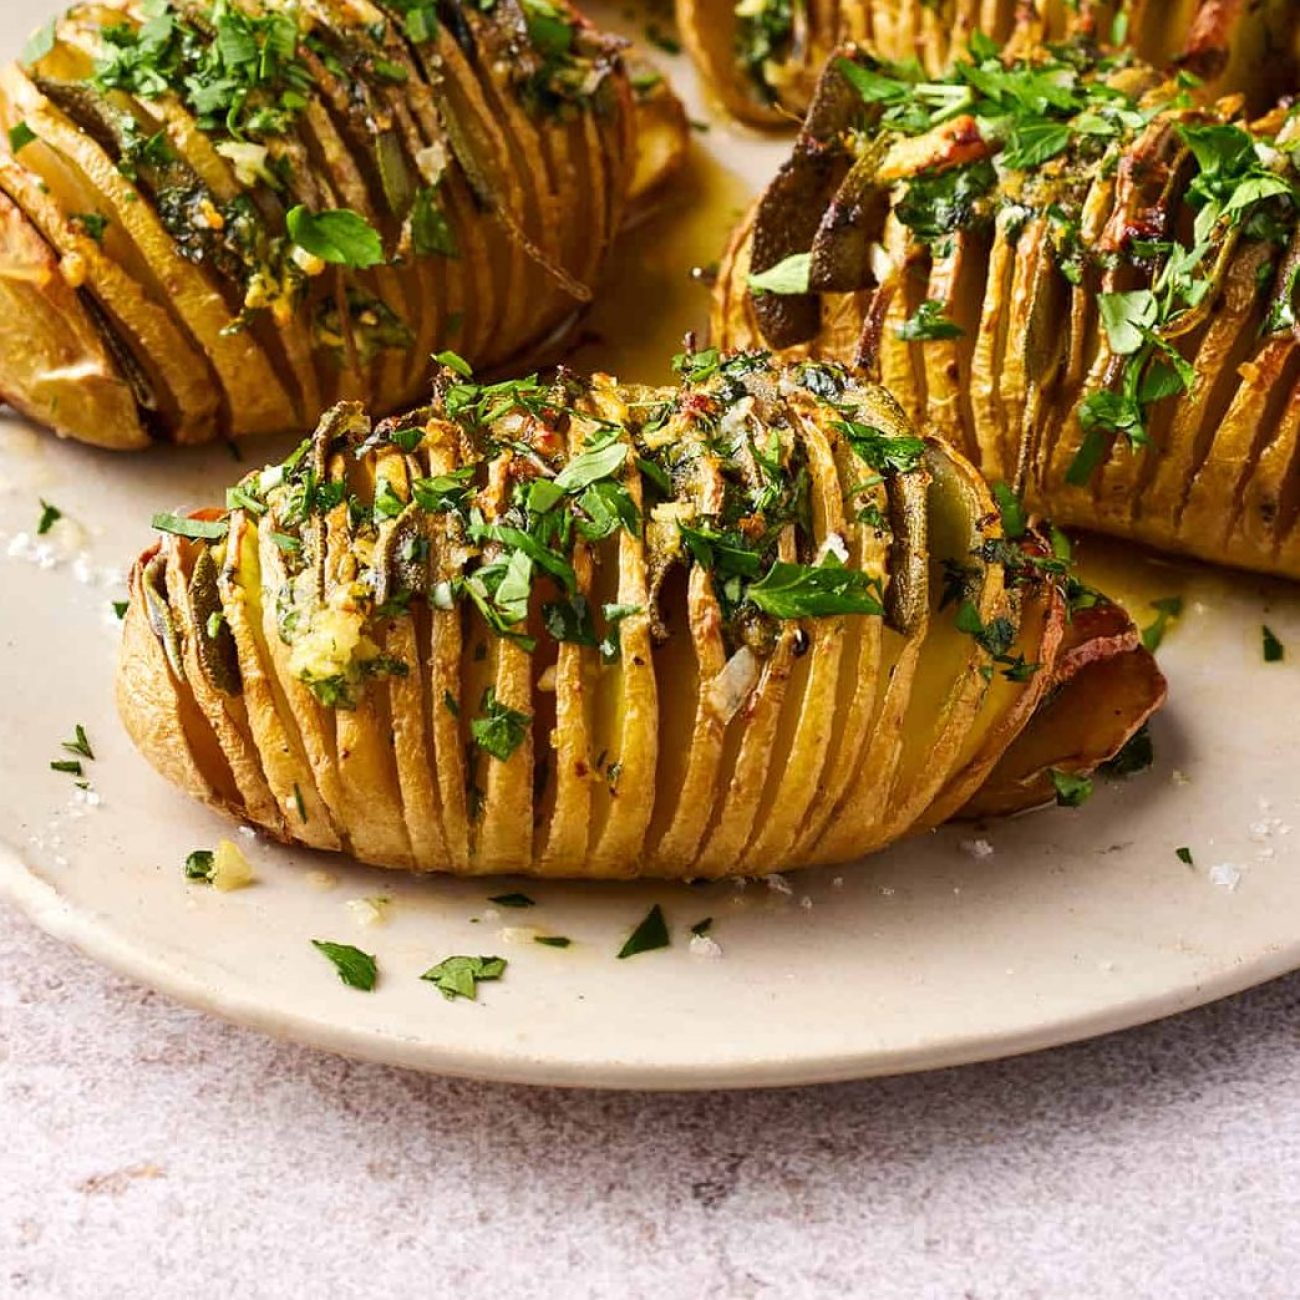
{"x":459,"y":977}
{"x":652,"y":933}
{"x":338,"y":236}
{"x":927,"y":324}
{"x":454,"y":361}
{"x":20,"y":136}
{"x":1033,"y":142}
{"x":1168,"y":608}
{"x":1184,"y":856}
{"x":789,"y":276}
{"x":570,"y":620}
{"x":80,"y":745}
{"x":815,"y":591}
{"x":1274,"y":651}
{"x":881,"y":451}
{"x":200,"y":865}
{"x":182,"y":526}
{"x":500,"y":730}
{"x":588,"y":467}
{"x":1012,"y":510}
{"x":69,"y":765}
{"x":1127,"y":317}
{"x":552,"y":940}
{"x":50,"y":515}
{"x":1137,"y":755}
{"x":512,"y":900}
{"x":120,"y":607}
{"x":431,"y":231}
{"x":702,"y":927}
{"x":1071,"y":790}
{"x":357,"y":969}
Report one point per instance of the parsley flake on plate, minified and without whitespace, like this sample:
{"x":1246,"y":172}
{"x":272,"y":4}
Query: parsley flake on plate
{"x":652,"y":933}
{"x":459,"y":977}
{"x":357,"y":969}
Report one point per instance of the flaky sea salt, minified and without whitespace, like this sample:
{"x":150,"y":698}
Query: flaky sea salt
{"x":368,"y":911}
{"x":977,"y":848}
{"x":778,"y":884}
{"x":703,"y":946}
{"x":1225,"y":875}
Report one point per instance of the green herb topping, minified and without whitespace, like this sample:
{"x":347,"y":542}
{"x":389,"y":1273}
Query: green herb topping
{"x":357,"y":969}
{"x":652,"y":933}
{"x":459,"y":977}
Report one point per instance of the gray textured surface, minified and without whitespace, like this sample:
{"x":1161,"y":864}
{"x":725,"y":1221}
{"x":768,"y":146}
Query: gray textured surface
{"x":155,"y":1152}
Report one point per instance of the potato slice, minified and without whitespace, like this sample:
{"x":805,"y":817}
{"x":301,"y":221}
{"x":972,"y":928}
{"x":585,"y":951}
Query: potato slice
{"x":55,"y":366}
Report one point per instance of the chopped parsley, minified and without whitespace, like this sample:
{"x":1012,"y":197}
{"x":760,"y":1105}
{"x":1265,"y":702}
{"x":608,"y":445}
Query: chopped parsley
{"x":431,"y":231}
{"x":1274,"y":650}
{"x":512,"y":900}
{"x":1168,"y":609}
{"x":552,"y":940}
{"x":91,"y":224}
{"x":652,"y":933}
{"x":500,"y":730}
{"x":357,"y":969}
{"x":1184,"y":856}
{"x":789,"y":591}
{"x":1010,"y":507}
{"x":200,"y":865}
{"x":20,"y":136}
{"x":1137,"y":755}
{"x":789,"y":276}
{"x":928,"y":323}
{"x":701,"y":928}
{"x":1071,"y":789}
{"x":459,"y":977}
{"x":340,"y":237}
{"x":50,"y":515}
{"x":79,"y":745}
{"x":198,"y":529}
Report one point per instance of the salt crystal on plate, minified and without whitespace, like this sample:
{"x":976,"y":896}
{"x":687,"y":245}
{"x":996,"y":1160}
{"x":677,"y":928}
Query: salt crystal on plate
{"x":1225,"y":875}
{"x":703,"y":946}
{"x":977,"y":848}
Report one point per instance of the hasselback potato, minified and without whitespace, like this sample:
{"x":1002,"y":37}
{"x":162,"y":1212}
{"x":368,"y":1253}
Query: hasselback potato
{"x":220,"y":218}
{"x":763,"y":57}
{"x":574,"y":628}
{"x":1064,"y":266}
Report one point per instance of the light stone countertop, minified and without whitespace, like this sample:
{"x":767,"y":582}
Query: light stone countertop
{"x":151,"y":1151}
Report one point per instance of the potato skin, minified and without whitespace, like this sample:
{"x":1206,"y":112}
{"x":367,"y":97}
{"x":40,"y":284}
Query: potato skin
{"x":1023,"y":373}
{"x":577,"y":629}
{"x":1231,"y":45}
{"x":492,"y":153}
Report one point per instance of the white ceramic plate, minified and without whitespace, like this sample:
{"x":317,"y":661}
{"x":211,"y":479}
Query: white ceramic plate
{"x":936,"y":953}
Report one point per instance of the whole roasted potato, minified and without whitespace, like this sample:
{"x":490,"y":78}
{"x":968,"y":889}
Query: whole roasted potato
{"x":579,"y":629}
{"x":1064,"y":266}
{"x":219,"y":219}
{"x":763,"y":57}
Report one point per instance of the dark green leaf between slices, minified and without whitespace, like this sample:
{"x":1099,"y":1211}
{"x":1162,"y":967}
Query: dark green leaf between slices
{"x":338,"y":236}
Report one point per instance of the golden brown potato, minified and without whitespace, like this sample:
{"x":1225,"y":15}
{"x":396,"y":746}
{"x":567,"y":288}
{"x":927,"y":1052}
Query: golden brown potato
{"x":1096,"y":304}
{"x":235,"y":218}
{"x":579,"y":629}
{"x":763,"y":57}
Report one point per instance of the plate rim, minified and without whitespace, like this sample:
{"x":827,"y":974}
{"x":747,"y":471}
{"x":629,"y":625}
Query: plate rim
{"x":84,"y":929}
